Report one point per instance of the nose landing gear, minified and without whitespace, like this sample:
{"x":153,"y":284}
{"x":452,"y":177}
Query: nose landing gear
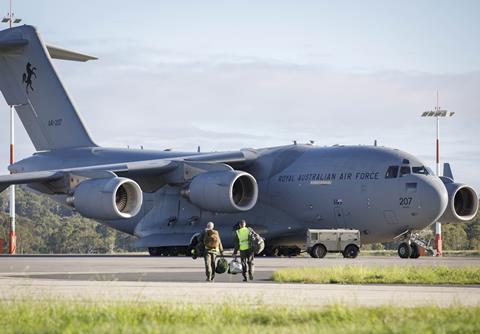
{"x":414,"y":247}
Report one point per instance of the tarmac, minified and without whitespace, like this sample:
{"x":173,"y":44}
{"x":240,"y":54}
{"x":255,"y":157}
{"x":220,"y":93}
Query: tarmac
{"x":182,"y":280}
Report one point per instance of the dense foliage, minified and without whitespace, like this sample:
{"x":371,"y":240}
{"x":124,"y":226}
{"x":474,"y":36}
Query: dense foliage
{"x":44,"y":227}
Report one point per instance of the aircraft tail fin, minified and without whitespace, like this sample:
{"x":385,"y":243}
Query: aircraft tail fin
{"x":29,"y":82}
{"x":447,"y":170}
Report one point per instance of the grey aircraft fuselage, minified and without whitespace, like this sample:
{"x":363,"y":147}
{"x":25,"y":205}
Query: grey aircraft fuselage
{"x":165,"y":198}
{"x":300,"y":187}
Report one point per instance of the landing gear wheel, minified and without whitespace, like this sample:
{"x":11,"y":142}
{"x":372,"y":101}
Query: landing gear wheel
{"x":319,"y":251}
{"x":154,"y":251}
{"x":415,"y":251}
{"x":404,"y":250}
{"x":172,"y":251}
{"x":276,"y":252}
{"x":350,"y":252}
{"x":271,"y":252}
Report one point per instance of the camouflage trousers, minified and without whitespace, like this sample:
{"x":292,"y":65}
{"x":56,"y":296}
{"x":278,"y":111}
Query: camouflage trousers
{"x":246,"y":257}
{"x":210,"y":265}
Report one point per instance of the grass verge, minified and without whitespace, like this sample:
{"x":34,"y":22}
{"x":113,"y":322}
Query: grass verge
{"x":380,"y":275}
{"x":74,"y":317}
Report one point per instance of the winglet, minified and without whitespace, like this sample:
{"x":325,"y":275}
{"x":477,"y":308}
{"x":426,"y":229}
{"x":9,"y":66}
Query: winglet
{"x":64,"y":54}
{"x":447,"y":171}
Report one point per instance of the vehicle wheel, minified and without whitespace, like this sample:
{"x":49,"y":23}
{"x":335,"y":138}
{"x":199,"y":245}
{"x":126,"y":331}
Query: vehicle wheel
{"x":154,"y":251}
{"x":310,"y":252}
{"x":404,"y":250}
{"x":319,"y":251}
{"x":350,"y":252}
{"x":415,"y":251}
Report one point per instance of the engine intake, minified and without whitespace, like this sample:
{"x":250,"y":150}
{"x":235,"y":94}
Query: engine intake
{"x":108,"y":198}
{"x":462,"y":202}
{"x":223,"y":191}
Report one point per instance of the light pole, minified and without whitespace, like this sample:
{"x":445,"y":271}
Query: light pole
{"x":437,"y":113}
{"x":12,"y":244}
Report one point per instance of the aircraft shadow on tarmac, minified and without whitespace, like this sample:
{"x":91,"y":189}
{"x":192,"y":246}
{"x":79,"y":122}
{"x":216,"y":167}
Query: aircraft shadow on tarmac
{"x":183,"y":277}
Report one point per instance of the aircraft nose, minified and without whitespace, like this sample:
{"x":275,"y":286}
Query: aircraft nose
{"x":435,"y":198}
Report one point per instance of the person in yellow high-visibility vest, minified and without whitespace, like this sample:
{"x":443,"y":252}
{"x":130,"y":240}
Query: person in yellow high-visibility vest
{"x":242,"y":243}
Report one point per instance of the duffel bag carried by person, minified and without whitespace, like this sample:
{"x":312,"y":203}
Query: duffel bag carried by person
{"x":234,"y":267}
{"x":256,"y":242}
{"x":222,"y":266}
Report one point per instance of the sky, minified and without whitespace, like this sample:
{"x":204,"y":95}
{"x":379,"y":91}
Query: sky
{"x":227,"y":75}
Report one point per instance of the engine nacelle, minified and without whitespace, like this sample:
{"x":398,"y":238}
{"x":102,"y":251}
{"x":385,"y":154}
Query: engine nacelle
{"x":462,"y":202}
{"x":223,"y":191}
{"x":107,"y":199}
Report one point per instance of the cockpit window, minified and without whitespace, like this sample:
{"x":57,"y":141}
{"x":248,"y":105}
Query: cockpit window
{"x":392,"y":172}
{"x":404,"y":170}
{"x":406,"y":162}
{"x":420,"y":170}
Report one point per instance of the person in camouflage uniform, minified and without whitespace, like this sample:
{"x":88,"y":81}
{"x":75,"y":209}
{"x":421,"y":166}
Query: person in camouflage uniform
{"x":211,"y":243}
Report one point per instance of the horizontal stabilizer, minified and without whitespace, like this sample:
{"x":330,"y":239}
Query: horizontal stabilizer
{"x":12,"y":45}
{"x":64,"y":54}
{"x":55,"y":52}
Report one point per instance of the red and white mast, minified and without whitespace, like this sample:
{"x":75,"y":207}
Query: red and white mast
{"x":12,"y":244}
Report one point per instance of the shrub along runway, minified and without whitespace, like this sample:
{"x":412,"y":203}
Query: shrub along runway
{"x":181,"y":280}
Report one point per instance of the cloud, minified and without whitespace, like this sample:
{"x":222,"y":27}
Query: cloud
{"x":164,"y":99}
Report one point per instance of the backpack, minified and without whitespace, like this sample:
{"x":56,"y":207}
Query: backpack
{"x":211,"y":239}
{"x":222,"y":266}
{"x":257,"y":244}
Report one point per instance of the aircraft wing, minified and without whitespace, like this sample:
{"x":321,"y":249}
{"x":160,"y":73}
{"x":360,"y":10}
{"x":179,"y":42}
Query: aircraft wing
{"x":161,"y":166}
{"x":31,"y":177}
{"x":242,"y":156}
{"x":150,"y":174}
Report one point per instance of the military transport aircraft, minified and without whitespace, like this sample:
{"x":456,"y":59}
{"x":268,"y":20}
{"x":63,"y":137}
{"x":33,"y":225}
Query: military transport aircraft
{"x":165,"y":198}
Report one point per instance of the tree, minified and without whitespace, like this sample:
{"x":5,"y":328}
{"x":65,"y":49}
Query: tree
{"x":454,"y":236}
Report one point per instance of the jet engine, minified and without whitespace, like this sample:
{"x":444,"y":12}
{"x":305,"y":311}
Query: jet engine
{"x":223,"y":191}
{"x":107,"y":198}
{"x":462,"y":202}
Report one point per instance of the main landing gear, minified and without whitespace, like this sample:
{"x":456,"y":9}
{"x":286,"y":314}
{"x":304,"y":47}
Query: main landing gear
{"x":169,"y":251}
{"x":281,"y":251}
